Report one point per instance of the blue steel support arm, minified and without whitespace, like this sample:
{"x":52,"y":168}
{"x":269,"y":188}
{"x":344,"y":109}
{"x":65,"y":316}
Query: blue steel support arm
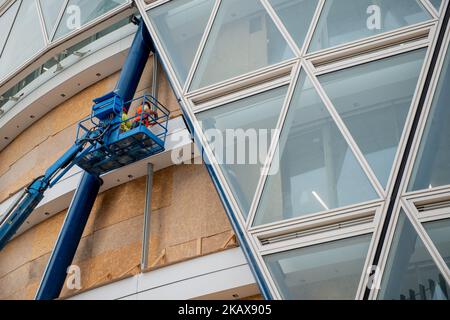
{"x":28,"y":201}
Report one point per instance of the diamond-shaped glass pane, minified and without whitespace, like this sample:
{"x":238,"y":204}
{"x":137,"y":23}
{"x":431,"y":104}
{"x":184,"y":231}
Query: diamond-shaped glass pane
{"x":25,"y":39}
{"x":439,"y":232}
{"x":51,"y":10}
{"x":410,"y":272}
{"x":316,"y":170}
{"x":180,"y":25}
{"x":327,"y":271}
{"x":242,"y":153}
{"x":296,"y":16}
{"x":79,"y":12}
{"x":6,"y":21}
{"x":344,"y":21}
{"x":243,"y":39}
{"x":432,"y":168}
{"x":436,"y":3}
{"x":374,"y":99}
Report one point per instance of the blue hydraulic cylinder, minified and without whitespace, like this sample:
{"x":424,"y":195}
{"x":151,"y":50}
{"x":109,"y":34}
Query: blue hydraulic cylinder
{"x":135,"y":64}
{"x":12,"y":223}
{"x":69,"y":238}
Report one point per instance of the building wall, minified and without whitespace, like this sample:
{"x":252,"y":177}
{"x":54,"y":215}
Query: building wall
{"x":187,"y":219}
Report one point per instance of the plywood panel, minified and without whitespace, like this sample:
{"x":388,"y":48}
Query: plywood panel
{"x":195,"y":222}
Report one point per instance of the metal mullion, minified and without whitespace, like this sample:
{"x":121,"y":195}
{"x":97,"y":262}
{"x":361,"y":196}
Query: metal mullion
{"x":281,"y":27}
{"x":313,"y":27}
{"x":233,"y":97}
{"x":332,"y":236}
{"x":429,"y":245}
{"x":58,"y":20}
{"x":273,"y":146}
{"x":321,"y":219}
{"x":370,"y":57}
{"x":370,"y":253}
{"x":426,"y":112}
{"x":429,"y":195}
{"x":42,"y":22}
{"x":202,"y":45}
{"x":430,"y":8}
{"x":12,"y":24}
{"x":368,"y":41}
{"x":154,"y":4}
{"x":390,"y":216}
{"x":386,"y":247}
{"x":241,"y":78}
{"x":344,"y":131}
{"x":326,"y":236}
{"x":421,"y":216}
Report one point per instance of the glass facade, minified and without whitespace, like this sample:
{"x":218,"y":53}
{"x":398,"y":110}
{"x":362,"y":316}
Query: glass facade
{"x":182,"y":24}
{"x":28,"y":27}
{"x":296,"y":15}
{"x":328,"y":271}
{"x":317,"y":170}
{"x":261,"y":111}
{"x":51,"y":10}
{"x":79,"y":12}
{"x":343,"y":21}
{"x":432,"y":168}
{"x":25,"y":39}
{"x":411,"y":272}
{"x":328,"y":99}
{"x":338,"y":156}
{"x":374,"y":100}
{"x":243,"y":38}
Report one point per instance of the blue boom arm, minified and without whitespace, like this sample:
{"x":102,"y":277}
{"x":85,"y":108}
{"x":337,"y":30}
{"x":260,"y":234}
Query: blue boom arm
{"x":102,"y":145}
{"x":28,"y":200}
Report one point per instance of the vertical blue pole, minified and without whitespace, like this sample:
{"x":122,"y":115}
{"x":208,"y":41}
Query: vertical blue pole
{"x":69,"y":238}
{"x":135,"y":64}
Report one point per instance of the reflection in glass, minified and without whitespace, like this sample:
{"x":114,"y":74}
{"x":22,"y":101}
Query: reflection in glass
{"x":25,"y":40}
{"x":317,"y":169}
{"x":439,"y":232}
{"x":296,"y":16}
{"x":243,"y":39}
{"x":180,"y":25}
{"x":80,"y":12}
{"x":374,"y":99}
{"x":258,"y":112}
{"x":6,"y":20}
{"x":436,"y":3}
{"x":410,"y":272}
{"x":344,"y":21}
{"x":51,"y":10}
{"x":432,"y":168}
{"x":329,"y":271}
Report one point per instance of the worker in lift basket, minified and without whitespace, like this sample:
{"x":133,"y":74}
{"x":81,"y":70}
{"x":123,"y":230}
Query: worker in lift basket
{"x":143,"y":114}
{"x":125,"y":125}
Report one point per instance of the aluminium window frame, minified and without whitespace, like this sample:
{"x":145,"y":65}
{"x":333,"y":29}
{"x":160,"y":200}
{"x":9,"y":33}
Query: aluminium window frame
{"x":187,"y":100}
{"x":326,"y":236}
{"x":403,"y":194}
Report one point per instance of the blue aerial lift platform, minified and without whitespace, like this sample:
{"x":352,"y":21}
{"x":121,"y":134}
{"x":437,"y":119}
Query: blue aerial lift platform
{"x":106,"y":140}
